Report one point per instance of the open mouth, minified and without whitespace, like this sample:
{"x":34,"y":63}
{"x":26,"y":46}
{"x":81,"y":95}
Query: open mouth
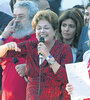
{"x":43,"y":35}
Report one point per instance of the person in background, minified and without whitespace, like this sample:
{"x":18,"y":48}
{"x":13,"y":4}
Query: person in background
{"x":0,"y":32}
{"x":46,"y":80}
{"x":19,"y":29}
{"x":87,"y":14}
{"x":82,"y":47}
{"x":71,"y":22}
{"x":86,"y":58}
{"x":12,"y":2}
{"x":55,"y":6}
{"x":42,"y":4}
{"x":4,"y":20}
{"x":80,"y":7}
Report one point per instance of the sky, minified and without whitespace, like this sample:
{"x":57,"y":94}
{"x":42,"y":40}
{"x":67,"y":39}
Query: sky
{"x":4,"y":6}
{"x":70,"y":3}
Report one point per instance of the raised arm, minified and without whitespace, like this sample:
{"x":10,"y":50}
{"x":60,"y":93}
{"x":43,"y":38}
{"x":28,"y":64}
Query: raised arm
{"x":8,"y":46}
{"x":8,"y":31}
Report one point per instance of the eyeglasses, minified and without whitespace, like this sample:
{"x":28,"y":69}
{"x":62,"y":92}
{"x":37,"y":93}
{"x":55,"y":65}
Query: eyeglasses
{"x":20,"y":17}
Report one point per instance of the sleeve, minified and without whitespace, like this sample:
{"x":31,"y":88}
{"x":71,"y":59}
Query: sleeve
{"x":26,"y":48}
{"x":61,"y":74}
{"x":65,"y":58}
{"x":23,"y":53}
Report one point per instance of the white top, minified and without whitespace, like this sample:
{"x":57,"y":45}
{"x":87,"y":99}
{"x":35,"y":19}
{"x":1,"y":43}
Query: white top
{"x":74,"y":52}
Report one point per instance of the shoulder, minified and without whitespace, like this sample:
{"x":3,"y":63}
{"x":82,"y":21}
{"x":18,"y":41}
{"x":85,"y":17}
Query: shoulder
{"x":63,"y":46}
{"x":84,"y":35}
{"x":85,"y":29}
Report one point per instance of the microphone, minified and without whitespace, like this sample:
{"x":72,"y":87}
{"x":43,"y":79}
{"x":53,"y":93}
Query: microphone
{"x":41,"y":39}
{"x":15,"y":61}
{"x":40,"y":55}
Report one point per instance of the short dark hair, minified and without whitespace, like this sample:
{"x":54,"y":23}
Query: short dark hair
{"x":79,"y":6}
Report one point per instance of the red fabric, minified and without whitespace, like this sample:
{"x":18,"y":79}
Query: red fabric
{"x":89,"y":68}
{"x":89,"y":75}
{"x":13,"y":86}
{"x":0,"y":95}
{"x":52,"y":85}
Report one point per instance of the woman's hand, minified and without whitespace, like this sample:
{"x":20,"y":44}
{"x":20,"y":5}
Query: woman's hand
{"x":69,"y":88}
{"x":43,"y":49}
{"x":21,"y":69}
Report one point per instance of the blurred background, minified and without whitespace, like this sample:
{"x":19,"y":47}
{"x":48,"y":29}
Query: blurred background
{"x":65,"y":4}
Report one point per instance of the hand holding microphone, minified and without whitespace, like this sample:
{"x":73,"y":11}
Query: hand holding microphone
{"x":43,"y":51}
{"x":20,"y":68}
{"x":40,"y":55}
{"x":40,"y":61}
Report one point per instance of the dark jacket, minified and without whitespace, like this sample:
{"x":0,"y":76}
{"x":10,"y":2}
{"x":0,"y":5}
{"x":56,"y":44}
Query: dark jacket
{"x":4,"y":20}
{"x":55,"y":5}
{"x":82,"y":46}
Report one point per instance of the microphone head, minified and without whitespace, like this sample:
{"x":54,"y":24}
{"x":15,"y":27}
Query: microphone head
{"x":15,"y":60}
{"x":41,"y":39}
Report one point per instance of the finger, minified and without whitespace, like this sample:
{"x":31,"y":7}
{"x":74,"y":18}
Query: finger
{"x":16,"y":48}
{"x":21,"y":74}
{"x":10,"y":46}
{"x":17,"y":70}
{"x":17,"y":67}
{"x":11,"y":22}
{"x":70,"y":92}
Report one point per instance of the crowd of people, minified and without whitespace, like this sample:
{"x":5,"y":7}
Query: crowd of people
{"x":36,"y":43}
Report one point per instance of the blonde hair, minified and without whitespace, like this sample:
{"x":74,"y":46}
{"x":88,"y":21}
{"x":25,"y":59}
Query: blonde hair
{"x":48,"y":15}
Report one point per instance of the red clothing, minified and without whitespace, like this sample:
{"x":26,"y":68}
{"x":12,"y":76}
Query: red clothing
{"x":52,"y":85}
{"x":14,"y":86}
{"x":89,"y":75}
{"x":89,"y":67}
